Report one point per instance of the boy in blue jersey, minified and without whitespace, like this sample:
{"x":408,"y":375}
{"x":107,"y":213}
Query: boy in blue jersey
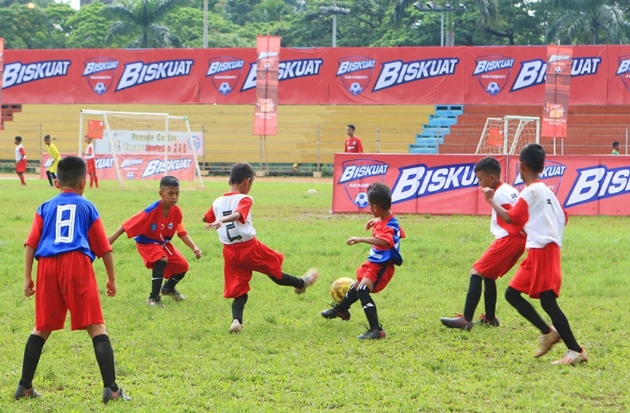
{"x":153,"y":229}
{"x":374,"y":275}
{"x":65,"y":237}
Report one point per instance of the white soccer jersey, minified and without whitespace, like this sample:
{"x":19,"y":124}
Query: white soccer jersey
{"x":545,"y":216}
{"x":89,"y":151}
{"x":233,"y":232}
{"x":18,"y":153}
{"x":503,"y":195}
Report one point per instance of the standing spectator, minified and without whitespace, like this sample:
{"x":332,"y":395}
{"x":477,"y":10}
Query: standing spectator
{"x":53,"y":152}
{"x":353,"y":142}
{"x":91,"y":161}
{"x":615,"y":150}
{"x":20,"y":159}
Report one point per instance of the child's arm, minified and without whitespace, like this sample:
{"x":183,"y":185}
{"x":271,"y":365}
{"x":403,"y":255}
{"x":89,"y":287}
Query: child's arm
{"x":29,"y":257}
{"x":372,"y":241}
{"x":234,"y":216}
{"x":501,"y":212}
{"x":190,"y":244}
{"x":112,"y":238}
{"x":108,"y":260}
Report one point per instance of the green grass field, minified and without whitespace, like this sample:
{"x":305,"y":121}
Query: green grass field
{"x":288,"y":358}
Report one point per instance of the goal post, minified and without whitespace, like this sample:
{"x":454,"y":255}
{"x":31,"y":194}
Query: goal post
{"x":508,"y":135}
{"x":138,"y":146}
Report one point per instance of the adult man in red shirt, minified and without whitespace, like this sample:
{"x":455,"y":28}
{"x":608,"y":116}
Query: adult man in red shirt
{"x":353,"y":142}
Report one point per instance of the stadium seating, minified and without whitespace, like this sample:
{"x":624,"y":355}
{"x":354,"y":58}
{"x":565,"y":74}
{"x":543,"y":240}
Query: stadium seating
{"x":439,"y":124}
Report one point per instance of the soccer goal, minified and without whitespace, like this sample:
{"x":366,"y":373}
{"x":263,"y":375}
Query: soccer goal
{"x":135,"y":146}
{"x":508,"y":135}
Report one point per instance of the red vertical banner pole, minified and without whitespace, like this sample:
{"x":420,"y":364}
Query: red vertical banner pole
{"x":557,"y":87}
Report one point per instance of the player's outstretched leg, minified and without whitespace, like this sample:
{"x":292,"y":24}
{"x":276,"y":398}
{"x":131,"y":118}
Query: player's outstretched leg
{"x":307,"y":280}
{"x":342,"y":310}
{"x":464,"y":321}
{"x":575,"y":353}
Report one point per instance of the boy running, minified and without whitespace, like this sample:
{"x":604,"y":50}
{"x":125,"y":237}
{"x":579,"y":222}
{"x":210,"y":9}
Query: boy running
{"x":543,"y":219}
{"x":499,"y":258}
{"x":243,"y":254}
{"x":65,"y":237}
{"x":153,"y":229}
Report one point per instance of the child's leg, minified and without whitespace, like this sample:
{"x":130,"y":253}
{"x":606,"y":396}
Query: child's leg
{"x":525,"y":309}
{"x":95,"y":178}
{"x":157,"y":276}
{"x":550,"y":305}
{"x":172,"y":282}
{"x":473,"y":296}
{"x":490,"y":298}
{"x":50,"y":179}
{"x":350,"y":298}
{"x":288,"y":280}
{"x":32,"y":353}
{"x":369,"y":307}
{"x":104,"y":355}
{"x":21,"y":176}
{"x":91,"y":179}
{"x":238,"y":306}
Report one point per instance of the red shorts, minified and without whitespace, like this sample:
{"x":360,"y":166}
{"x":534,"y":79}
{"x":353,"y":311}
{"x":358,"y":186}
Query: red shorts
{"x":501,"y":256}
{"x":152,"y":253}
{"x":66,"y":282}
{"x":539,"y":272}
{"x":379,"y":274}
{"x":91,"y":166}
{"x":20,"y":166}
{"x":242,"y":259}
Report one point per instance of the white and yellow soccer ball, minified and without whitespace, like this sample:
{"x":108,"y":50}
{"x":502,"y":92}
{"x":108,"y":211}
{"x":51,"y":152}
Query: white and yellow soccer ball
{"x":340,"y":287}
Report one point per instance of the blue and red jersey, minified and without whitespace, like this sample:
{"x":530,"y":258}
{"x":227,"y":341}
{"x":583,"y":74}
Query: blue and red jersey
{"x":150,"y":226}
{"x":68,"y":222}
{"x":387,"y":230}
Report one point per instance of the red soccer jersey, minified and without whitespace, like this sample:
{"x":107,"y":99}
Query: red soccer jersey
{"x":353,"y":145}
{"x":151,"y":226}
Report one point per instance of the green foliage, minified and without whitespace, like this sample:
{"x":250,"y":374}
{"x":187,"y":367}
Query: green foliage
{"x":288,"y":359}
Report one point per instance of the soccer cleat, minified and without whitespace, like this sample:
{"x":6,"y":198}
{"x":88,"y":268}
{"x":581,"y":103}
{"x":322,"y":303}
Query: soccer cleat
{"x":483,"y":321}
{"x":458,"y":322}
{"x":334,"y":313}
{"x":572,"y":358}
{"x":309,"y":278}
{"x":546,"y":341}
{"x":110,"y":395}
{"x":23,"y":393}
{"x":373,"y":334}
{"x":155,"y":302}
{"x":236,"y":327}
{"x":173,"y":293}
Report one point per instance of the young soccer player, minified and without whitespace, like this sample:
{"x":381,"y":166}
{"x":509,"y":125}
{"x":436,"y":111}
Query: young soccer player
{"x":374,"y":275}
{"x":499,"y":258}
{"x":20,"y":159}
{"x":153,"y":229}
{"x":243,"y":253}
{"x":615,"y":146}
{"x":53,"y":152}
{"x":91,"y":161}
{"x":65,"y":237}
{"x":539,"y":275}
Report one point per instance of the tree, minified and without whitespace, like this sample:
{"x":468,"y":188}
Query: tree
{"x":587,"y":22}
{"x":140,"y":23}
{"x":88,"y":27}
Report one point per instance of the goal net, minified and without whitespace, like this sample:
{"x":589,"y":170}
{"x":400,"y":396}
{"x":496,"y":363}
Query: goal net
{"x":508,"y":135}
{"x":141,"y":147}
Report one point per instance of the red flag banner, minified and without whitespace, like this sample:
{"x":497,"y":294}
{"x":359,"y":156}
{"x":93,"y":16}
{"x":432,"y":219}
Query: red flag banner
{"x":557,"y":87}
{"x":267,"y":65}
{"x":1,"y":70}
{"x":95,"y":129}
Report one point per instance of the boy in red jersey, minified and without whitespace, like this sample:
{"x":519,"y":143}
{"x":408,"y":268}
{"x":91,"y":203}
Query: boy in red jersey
{"x":91,"y":161}
{"x":499,"y":258}
{"x":65,"y":237}
{"x":153,"y":229}
{"x":20,"y":159}
{"x":543,"y":219}
{"x":353,"y":142}
{"x":374,"y":275}
{"x":243,"y":254}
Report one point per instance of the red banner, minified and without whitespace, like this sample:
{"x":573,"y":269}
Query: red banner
{"x":557,"y":87}
{"x":1,"y":70}
{"x":600,"y":75}
{"x":266,"y":107}
{"x":95,"y":129}
{"x":446,"y":184}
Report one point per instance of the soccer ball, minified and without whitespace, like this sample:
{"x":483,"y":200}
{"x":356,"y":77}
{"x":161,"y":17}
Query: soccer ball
{"x":493,"y":88}
{"x":100,"y":88}
{"x":356,"y":88}
{"x":340,"y":287}
{"x":130,"y":175}
{"x":225,"y":88}
{"x":361,"y":200}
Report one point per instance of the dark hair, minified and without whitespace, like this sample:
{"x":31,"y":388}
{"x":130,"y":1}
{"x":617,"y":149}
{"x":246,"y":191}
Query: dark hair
{"x":70,"y":171}
{"x":240,"y":172}
{"x":47,"y":137}
{"x":489,"y":165}
{"x":533,"y":156}
{"x":351,"y":126}
{"x":169,"y":180}
{"x":18,"y":138}
{"x":379,"y":194}
{"x":615,"y":143}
